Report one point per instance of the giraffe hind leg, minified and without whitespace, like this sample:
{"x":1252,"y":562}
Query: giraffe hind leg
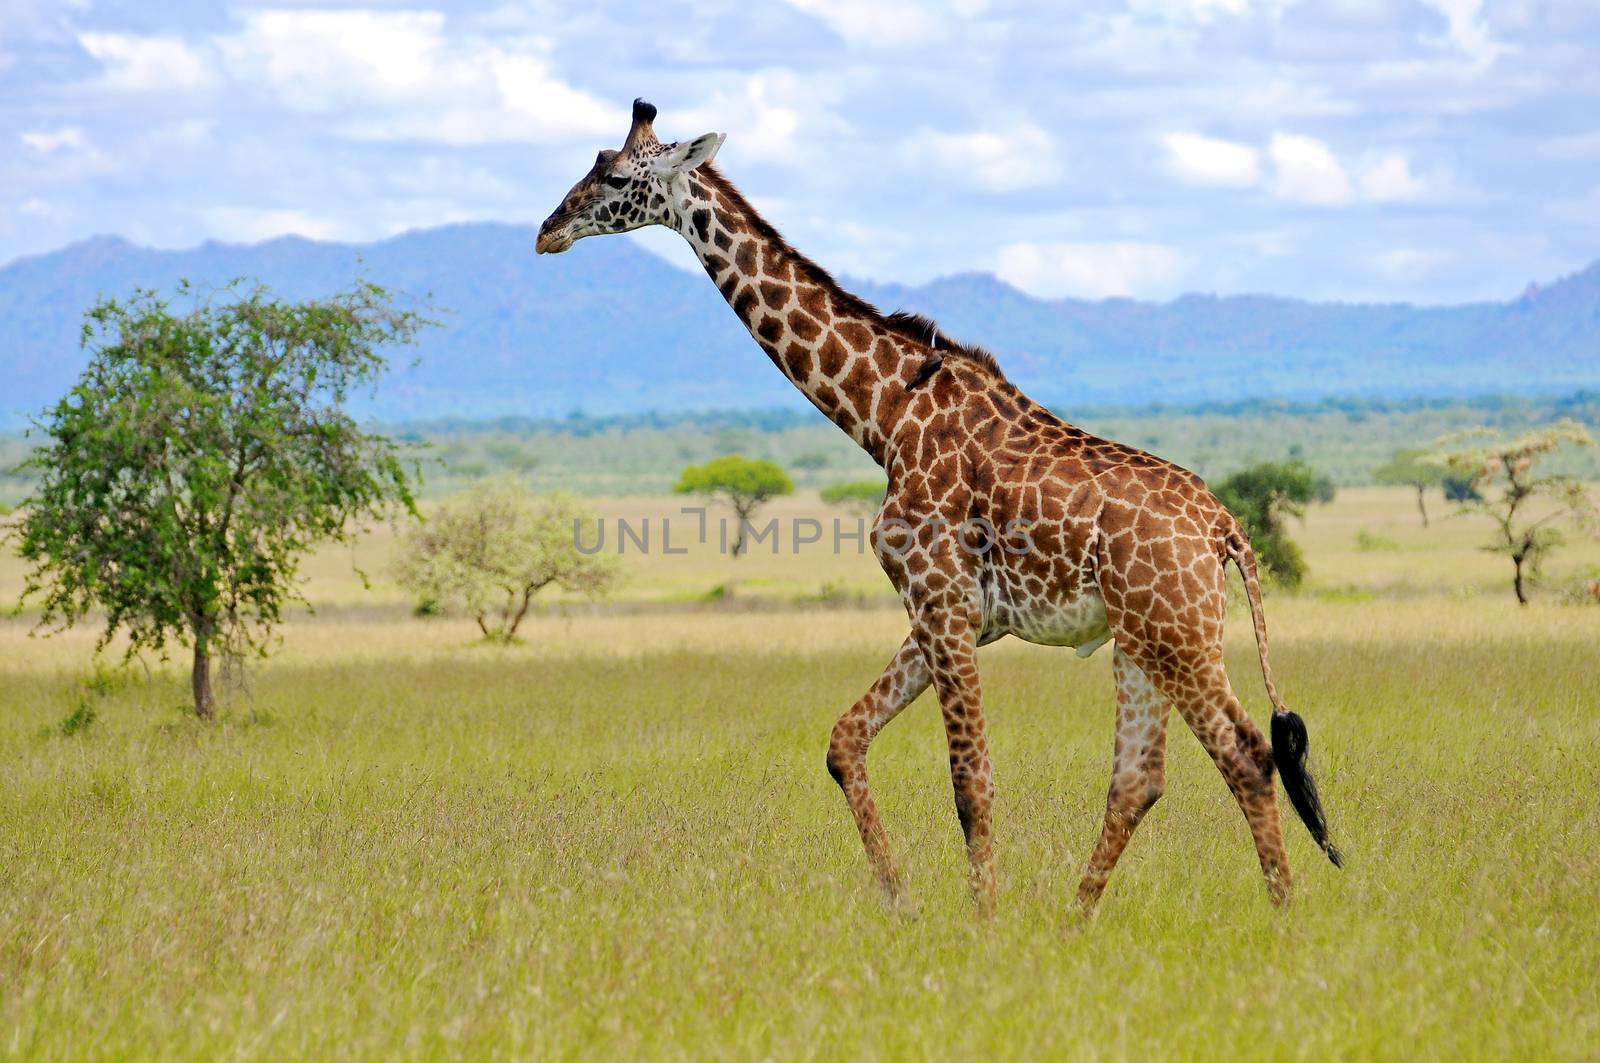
{"x":1174,"y":635}
{"x":1205,"y":700}
{"x":1138,"y":772}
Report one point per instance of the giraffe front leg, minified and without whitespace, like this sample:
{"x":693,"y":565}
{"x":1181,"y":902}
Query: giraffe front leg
{"x":1138,"y":772}
{"x":948,"y":636}
{"x":902,"y":681}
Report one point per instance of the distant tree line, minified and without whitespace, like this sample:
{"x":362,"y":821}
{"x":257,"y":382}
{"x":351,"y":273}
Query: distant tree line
{"x":1582,"y":405}
{"x":580,"y":424}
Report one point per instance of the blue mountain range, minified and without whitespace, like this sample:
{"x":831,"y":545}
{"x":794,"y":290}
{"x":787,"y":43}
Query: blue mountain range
{"x":610,"y":328}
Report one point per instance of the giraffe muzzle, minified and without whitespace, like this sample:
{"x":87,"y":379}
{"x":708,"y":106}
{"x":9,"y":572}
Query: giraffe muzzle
{"x":552,"y":240}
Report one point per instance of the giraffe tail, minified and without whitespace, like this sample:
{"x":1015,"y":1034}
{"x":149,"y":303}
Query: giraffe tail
{"x":1289,"y":739}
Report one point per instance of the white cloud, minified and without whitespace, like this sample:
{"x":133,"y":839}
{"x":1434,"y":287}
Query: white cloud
{"x":1389,"y":179}
{"x":881,"y":22}
{"x":248,"y":224}
{"x":397,"y":75}
{"x":1409,"y":263}
{"x":146,"y":64}
{"x":763,"y":116}
{"x":1094,"y":270}
{"x":317,"y":60}
{"x":1022,"y":156}
{"x":1189,"y":10}
{"x":1281,"y":98}
{"x":62,"y":155}
{"x":888,"y":24}
{"x":34,"y":207}
{"x":1307,"y":171}
{"x":1467,"y":31}
{"x":1210,"y":161}
{"x":49,"y":142}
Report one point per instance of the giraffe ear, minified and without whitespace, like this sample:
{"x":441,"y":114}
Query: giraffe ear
{"x":686,"y":155}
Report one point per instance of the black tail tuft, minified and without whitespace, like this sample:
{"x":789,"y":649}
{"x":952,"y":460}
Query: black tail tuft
{"x":1289,"y":754}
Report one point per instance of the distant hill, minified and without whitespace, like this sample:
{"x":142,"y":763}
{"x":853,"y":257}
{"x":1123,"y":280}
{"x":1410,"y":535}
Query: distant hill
{"x":609,"y":328}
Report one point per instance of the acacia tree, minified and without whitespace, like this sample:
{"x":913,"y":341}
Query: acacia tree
{"x":861,"y":495}
{"x":1412,"y":468}
{"x":199,"y":456}
{"x":492,"y":548}
{"x":1263,"y":498}
{"x":744,"y":483}
{"x":1525,"y":530}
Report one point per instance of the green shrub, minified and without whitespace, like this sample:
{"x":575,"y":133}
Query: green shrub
{"x":1262,"y":498}
{"x":79,"y":719}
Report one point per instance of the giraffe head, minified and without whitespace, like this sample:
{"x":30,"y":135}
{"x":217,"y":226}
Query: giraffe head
{"x":626,"y":189}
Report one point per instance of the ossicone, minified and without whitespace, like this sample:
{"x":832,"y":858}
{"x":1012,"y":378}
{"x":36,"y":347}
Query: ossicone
{"x":640,"y":133}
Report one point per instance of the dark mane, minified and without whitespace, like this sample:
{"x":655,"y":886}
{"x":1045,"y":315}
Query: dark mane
{"x":914,"y":327}
{"x":926,"y":331}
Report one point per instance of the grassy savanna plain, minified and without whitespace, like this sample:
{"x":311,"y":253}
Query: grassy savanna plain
{"x":617,"y":838}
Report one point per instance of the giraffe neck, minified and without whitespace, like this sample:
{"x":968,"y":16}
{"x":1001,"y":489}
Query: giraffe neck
{"x":830,"y":344}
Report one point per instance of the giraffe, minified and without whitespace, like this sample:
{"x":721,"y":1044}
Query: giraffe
{"x":1000,"y":519}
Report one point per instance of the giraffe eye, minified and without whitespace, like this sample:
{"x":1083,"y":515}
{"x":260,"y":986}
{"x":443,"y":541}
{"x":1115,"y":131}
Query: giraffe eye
{"x":616,"y":181}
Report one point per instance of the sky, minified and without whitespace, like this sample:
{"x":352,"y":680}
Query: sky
{"x":1429,"y":151}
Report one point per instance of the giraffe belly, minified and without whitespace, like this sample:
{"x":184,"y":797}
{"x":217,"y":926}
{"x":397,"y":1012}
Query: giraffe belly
{"x":1079,"y":622}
